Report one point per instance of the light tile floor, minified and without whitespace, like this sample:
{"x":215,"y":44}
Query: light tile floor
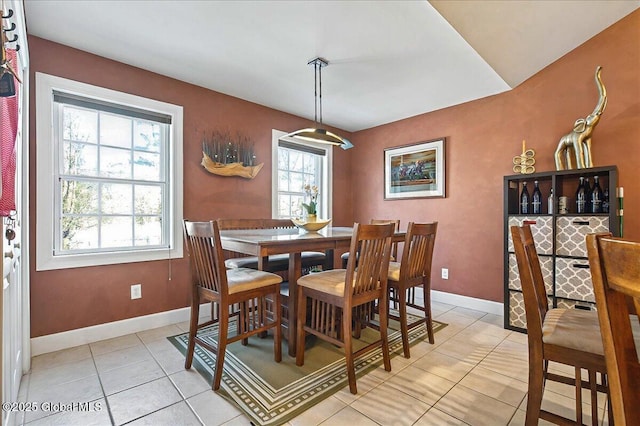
{"x":476,"y":374}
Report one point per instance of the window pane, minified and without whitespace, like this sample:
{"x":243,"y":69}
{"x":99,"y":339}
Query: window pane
{"x":283,"y":180}
{"x":146,"y":166}
{"x":117,"y":198}
{"x":296,"y":205}
{"x":148,"y":231}
{"x":283,"y":159}
{"x":79,"y":197}
{"x":309,"y":163}
{"x":116,"y":231}
{"x":147,"y":135}
{"x":79,"y":233}
{"x":115,"y":130}
{"x":80,"y":159}
{"x":80,"y":125}
{"x":148,"y":200}
{"x":310,"y":180}
{"x":115,"y":163}
{"x":296,"y":182}
{"x":295,"y":161}
{"x":283,"y":205}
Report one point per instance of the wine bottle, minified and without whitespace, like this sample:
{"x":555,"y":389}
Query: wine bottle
{"x":605,"y":200}
{"x":588,"y":207}
{"x":581,"y":200}
{"x":596,"y":196}
{"x":550,"y":202}
{"x":524,"y":199}
{"x":536,"y":199}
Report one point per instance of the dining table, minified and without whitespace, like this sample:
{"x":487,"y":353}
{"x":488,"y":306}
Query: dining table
{"x":263,"y":243}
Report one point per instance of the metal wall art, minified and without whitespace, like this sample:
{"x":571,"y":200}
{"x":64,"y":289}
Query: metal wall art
{"x":224,"y":155}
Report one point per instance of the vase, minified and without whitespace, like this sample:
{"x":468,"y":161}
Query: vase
{"x":312,"y":218}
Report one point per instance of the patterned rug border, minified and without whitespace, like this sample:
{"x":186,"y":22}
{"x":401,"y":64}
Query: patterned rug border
{"x":266,"y":405}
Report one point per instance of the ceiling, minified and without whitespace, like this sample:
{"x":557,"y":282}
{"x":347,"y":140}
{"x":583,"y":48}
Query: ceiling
{"x":388,"y":60}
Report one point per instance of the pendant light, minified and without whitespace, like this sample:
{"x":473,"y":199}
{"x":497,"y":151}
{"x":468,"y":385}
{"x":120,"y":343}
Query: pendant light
{"x":318,"y":133}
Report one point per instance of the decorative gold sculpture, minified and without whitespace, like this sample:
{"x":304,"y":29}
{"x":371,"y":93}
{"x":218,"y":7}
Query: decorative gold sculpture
{"x":578,"y":143}
{"x":223,"y":155}
{"x":524,"y":162}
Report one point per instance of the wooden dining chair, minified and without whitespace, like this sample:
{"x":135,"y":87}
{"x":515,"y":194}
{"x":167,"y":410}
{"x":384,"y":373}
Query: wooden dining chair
{"x":240,"y":293}
{"x":334,"y":296}
{"x":615,"y":272}
{"x":394,"y":246}
{"x":411,"y":273}
{"x":567,"y":336}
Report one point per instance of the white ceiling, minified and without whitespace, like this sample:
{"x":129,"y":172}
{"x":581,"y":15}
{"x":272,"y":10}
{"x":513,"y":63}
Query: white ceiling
{"x":388,"y":59}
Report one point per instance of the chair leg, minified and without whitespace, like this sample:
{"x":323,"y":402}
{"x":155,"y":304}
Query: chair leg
{"x":193,"y":330}
{"x":605,"y":383}
{"x":301,"y":321}
{"x":427,"y":313}
{"x":348,"y":349}
{"x":594,"y":397}
{"x":223,"y":330}
{"x":578,"y":383}
{"x":358,"y":322}
{"x":404,"y":328}
{"x":536,"y":387}
{"x":384,"y":327}
{"x":277,"y":333}
{"x":243,"y":322}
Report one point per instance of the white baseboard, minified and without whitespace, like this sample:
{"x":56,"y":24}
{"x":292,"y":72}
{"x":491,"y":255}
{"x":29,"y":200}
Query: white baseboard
{"x":482,"y":305}
{"x":83,"y":336}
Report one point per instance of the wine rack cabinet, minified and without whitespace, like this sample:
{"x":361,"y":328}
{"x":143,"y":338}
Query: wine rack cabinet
{"x":559,"y":239}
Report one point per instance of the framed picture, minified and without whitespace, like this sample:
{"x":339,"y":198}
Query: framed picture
{"x":414,"y":171}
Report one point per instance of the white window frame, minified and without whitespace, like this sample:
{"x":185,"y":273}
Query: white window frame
{"x":326,"y":193}
{"x":45,"y":169}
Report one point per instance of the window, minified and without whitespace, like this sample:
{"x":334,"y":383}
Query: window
{"x":297,"y":164}
{"x":115,"y":160}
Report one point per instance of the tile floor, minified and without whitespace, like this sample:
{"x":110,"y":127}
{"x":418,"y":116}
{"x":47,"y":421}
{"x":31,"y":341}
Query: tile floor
{"x":475,"y":374}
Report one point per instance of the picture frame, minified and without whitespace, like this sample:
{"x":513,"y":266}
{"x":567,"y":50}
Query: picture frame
{"x":415,"y":171}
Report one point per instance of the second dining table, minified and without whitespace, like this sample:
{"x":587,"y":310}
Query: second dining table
{"x":266,"y":242}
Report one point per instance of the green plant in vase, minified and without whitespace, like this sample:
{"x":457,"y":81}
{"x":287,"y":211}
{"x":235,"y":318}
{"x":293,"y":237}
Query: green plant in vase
{"x":311,"y":207}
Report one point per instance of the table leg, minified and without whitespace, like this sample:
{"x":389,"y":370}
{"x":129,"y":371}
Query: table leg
{"x":262,"y":262}
{"x":328,"y":263}
{"x":295,"y":272}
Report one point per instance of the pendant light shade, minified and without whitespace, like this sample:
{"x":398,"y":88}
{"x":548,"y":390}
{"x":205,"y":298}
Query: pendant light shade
{"x":318,"y":133}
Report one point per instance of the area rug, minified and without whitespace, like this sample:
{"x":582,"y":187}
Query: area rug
{"x":273,"y":393}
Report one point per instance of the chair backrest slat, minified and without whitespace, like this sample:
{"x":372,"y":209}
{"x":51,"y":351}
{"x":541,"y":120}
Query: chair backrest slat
{"x":417,"y":255}
{"x":205,"y":254}
{"x":396,"y":222}
{"x":374,"y":245}
{"x":532,"y":282}
{"x":615,"y":272}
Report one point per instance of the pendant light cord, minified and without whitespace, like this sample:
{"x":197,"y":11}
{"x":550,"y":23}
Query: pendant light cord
{"x":319,"y":65}
{"x":315,"y":92}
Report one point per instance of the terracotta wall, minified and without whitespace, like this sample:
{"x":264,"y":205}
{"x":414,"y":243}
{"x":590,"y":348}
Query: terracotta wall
{"x":68,"y":299}
{"x":484,"y":135}
{"x":482,"y":138}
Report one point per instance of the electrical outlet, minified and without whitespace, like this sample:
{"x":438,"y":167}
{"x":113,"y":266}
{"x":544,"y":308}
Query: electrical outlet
{"x":136,"y":291}
{"x":445,"y":273}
